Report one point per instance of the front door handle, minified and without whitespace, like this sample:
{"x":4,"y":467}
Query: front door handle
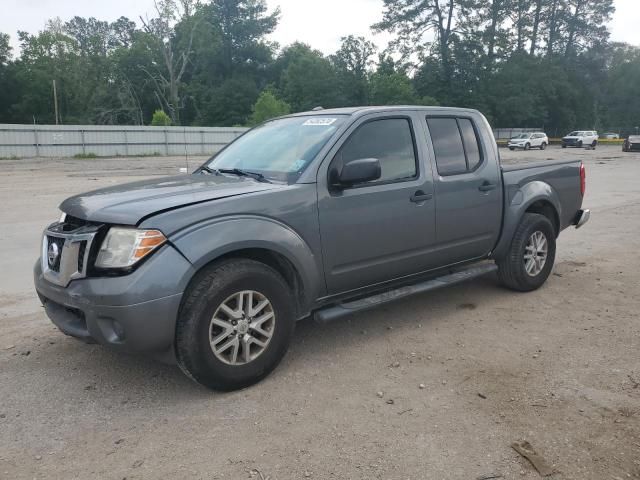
{"x":487,"y":187}
{"x":421,"y":197}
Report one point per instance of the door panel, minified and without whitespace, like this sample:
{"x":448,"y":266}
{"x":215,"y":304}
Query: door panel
{"x":469,"y":202}
{"x":383,"y":230}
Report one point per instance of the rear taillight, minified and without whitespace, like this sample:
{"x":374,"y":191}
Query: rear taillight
{"x":583,"y":179}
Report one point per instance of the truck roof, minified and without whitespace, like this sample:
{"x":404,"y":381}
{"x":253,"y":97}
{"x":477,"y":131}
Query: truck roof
{"x":380,"y":109}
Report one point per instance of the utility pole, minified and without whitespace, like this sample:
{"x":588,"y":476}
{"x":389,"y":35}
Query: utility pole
{"x":55,"y":100}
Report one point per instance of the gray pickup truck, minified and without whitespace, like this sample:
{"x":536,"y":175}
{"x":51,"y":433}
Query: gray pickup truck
{"x":317,"y":214}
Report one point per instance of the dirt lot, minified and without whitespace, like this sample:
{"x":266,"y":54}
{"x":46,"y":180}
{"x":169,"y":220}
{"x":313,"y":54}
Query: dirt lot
{"x":559,"y":367}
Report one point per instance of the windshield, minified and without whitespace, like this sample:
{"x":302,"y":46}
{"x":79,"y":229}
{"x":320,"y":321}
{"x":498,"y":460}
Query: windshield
{"x":522,"y":136}
{"x":280,"y":149}
{"x":576,"y":134}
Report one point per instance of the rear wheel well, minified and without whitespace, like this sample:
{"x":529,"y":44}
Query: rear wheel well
{"x":279,"y":263}
{"x":542,"y":207}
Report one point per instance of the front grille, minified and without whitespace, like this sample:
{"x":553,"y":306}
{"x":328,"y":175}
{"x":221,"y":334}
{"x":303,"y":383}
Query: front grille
{"x":65,"y":249}
{"x":82,"y":250}
{"x":54,"y":254}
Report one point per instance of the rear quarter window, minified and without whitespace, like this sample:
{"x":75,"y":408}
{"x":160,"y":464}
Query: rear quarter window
{"x":471,"y":146}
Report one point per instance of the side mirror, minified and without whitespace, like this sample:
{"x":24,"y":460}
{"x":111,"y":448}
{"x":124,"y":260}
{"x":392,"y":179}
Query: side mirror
{"x":360,"y":171}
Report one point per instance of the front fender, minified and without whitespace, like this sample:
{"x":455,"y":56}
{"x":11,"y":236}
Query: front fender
{"x":205,"y":242}
{"x":517,"y":202}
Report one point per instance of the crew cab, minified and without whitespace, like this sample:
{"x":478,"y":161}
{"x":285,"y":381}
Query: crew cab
{"x":317,"y":214}
{"x":526,"y":141}
{"x":581,"y":138}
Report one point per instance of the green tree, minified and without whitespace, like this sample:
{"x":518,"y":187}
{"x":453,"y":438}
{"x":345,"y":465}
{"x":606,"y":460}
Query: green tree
{"x":173,"y":59}
{"x":5,"y":49}
{"x":621,"y":101}
{"x":414,"y":20}
{"x":8,"y":86}
{"x":243,"y":26}
{"x":228,"y":104}
{"x":160,"y":119}
{"x":268,"y":106}
{"x":585,"y":24}
{"x":353,"y":62}
{"x":47,"y":56}
{"x":309,"y":80}
{"x":390,"y":85}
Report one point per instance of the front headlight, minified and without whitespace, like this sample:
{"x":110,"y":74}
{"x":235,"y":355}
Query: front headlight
{"x":124,"y":247}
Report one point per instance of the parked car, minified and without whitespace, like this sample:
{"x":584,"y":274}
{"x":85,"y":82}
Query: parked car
{"x":632,"y":143}
{"x":319,"y":214}
{"x":581,"y":138}
{"x":610,"y":136}
{"x":526,"y":141}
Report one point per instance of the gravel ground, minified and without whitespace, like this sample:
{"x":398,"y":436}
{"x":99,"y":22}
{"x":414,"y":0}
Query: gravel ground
{"x":558,"y":367}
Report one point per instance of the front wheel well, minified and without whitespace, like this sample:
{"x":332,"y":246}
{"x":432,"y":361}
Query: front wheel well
{"x":545,"y":208}
{"x":278,"y":262}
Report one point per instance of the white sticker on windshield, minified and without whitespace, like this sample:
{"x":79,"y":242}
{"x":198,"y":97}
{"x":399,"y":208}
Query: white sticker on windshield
{"x":320,"y":122}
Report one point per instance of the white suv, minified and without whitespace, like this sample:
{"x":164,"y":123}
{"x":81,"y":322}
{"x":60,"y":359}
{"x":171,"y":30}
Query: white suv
{"x":529,"y":140}
{"x":581,"y":138}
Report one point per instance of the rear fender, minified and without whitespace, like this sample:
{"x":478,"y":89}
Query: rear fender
{"x":517,"y":201}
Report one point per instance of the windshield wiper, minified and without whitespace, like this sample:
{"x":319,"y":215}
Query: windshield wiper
{"x":244,"y":173}
{"x":210,"y":171}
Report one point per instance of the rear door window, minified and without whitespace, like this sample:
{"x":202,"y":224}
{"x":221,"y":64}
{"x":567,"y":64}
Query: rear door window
{"x":456,"y":145}
{"x":447,"y":143}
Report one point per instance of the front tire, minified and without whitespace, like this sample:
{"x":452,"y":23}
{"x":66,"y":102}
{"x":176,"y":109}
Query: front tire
{"x":543,"y":146}
{"x":531,"y":255}
{"x":594,"y":145}
{"x":527,"y":146}
{"x":235,"y":324}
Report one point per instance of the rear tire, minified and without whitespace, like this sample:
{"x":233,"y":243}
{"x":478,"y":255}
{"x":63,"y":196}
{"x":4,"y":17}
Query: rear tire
{"x":515,"y":270}
{"x":222,"y":305}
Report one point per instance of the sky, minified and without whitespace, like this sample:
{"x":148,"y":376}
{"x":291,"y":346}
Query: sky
{"x":319,"y":23}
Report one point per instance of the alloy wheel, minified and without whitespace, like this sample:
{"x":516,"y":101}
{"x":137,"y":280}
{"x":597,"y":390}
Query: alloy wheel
{"x":242,"y":328}
{"x":536,"y":252}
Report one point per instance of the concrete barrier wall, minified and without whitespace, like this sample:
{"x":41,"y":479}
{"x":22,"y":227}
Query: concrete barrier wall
{"x":105,"y":141}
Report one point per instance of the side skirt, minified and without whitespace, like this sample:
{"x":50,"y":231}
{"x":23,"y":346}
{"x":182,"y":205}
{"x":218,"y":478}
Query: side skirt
{"x":335,"y":312}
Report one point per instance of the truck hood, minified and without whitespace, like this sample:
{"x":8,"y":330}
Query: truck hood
{"x":129,"y":203}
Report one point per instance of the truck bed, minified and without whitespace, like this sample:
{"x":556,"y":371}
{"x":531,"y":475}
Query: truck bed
{"x":563,"y":178}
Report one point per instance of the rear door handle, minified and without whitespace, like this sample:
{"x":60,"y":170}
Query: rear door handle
{"x":487,"y":187}
{"x":421,"y":197}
